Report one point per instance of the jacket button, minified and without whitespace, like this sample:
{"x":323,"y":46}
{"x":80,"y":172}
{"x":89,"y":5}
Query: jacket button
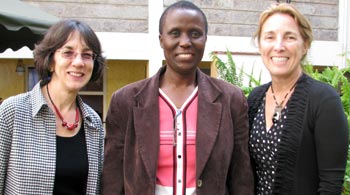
{"x":199,"y":183}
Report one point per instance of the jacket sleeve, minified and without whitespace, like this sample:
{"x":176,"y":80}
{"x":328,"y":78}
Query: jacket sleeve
{"x":240,"y":173}
{"x":113,"y":171}
{"x":5,"y":143}
{"x":331,"y":140}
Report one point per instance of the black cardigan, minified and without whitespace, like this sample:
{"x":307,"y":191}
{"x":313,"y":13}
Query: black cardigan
{"x":312,"y":154}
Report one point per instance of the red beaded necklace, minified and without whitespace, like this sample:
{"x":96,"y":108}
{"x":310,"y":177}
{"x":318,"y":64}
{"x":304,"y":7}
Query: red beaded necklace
{"x":64,"y":123}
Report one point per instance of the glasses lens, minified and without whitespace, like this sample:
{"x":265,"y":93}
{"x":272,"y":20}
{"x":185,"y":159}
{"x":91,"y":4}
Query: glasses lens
{"x":87,"y":56}
{"x":70,"y":55}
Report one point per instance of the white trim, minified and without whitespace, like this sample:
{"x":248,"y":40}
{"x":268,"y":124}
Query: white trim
{"x":123,"y":46}
{"x":344,"y":30}
{"x":325,"y":53}
{"x":347,"y":33}
{"x":24,"y":53}
{"x":155,"y":10}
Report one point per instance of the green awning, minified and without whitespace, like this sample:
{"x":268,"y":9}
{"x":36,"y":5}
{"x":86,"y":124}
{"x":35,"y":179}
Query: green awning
{"x":22,"y":24}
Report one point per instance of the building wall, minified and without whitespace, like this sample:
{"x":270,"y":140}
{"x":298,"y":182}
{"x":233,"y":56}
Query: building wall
{"x":240,"y":17}
{"x":101,"y":15}
{"x":225,"y":17}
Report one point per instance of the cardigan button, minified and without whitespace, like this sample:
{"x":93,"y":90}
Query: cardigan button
{"x":199,"y":183}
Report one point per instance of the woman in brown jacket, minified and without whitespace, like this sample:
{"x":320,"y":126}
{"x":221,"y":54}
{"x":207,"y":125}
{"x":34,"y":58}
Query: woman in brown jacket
{"x":180,"y":131}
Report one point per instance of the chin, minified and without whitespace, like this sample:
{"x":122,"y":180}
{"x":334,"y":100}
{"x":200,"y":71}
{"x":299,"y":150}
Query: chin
{"x":278,"y":73}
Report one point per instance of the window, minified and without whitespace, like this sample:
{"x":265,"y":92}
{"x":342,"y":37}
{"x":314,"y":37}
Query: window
{"x":32,"y":78}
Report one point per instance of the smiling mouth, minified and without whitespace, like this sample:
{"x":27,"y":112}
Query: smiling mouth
{"x":76,"y":74}
{"x":185,"y":56}
{"x":279,"y":59}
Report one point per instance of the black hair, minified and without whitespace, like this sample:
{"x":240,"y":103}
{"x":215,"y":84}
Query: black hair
{"x":182,"y":5}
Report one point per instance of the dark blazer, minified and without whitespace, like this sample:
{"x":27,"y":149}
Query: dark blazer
{"x":132,"y":139}
{"x":311,"y":157}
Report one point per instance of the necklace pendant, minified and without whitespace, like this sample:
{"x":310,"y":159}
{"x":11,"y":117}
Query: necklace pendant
{"x":64,"y":124}
{"x":277,"y":115}
{"x":71,"y":126}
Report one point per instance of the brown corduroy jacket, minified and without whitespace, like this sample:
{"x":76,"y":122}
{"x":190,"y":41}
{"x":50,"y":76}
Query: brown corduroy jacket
{"x":132,"y":139}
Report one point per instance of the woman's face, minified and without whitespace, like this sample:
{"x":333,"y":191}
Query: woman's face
{"x":281,"y":46}
{"x":73,"y":64}
{"x":183,"y":40}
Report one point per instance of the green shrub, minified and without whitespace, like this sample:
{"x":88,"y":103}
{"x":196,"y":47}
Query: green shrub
{"x":336,"y":77}
{"x":228,"y":72}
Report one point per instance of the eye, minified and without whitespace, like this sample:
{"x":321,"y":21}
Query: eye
{"x":291,"y":37}
{"x":196,"y":34}
{"x":68,"y":54}
{"x":268,"y":37}
{"x":87,"y":56}
{"x":175,"y":33}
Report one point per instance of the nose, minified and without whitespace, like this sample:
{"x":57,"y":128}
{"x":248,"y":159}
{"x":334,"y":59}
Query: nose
{"x":78,"y":60}
{"x":185,"y":40}
{"x":279,"y":45}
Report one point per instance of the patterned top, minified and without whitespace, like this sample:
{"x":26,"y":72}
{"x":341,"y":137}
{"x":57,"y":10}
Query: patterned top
{"x":264,"y":144}
{"x":28,"y":145}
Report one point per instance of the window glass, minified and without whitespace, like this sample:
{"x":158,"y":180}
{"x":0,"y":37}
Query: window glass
{"x":32,"y":79}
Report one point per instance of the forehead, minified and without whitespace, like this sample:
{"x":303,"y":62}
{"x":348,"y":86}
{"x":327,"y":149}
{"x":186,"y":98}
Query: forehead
{"x":280,"y":22}
{"x":183,"y":16}
{"x":75,"y":40}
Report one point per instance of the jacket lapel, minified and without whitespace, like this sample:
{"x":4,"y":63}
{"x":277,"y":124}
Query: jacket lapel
{"x":146,"y":122}
{"x":208,"y":121}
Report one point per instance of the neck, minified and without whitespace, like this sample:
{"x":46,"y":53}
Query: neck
{"x":282,"y":85}
{"x":168,"y":79}
{"x":63,"y":99}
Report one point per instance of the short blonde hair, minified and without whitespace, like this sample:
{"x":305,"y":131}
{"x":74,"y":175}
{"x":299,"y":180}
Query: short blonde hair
{"x":303,"y":23}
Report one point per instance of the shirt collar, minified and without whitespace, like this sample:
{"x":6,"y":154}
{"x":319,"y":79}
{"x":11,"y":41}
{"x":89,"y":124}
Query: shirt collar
{"x":38,"y":99}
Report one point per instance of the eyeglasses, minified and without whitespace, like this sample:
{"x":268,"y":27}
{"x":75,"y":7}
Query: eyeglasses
{"x":87,"y":57}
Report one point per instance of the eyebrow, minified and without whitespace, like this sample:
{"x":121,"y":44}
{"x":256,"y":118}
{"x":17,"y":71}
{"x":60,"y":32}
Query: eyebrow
{"x":71,"y":48}
{"x":273,"y":32}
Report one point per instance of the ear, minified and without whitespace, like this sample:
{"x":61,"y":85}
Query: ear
{"x":255,"y":43}
{"x":161,"y":41}
{"x":305,"y":48}
{"x":52,"y":68}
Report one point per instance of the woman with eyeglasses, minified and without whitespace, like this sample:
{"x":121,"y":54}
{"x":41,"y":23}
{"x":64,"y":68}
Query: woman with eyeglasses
{"x":51,"y":142}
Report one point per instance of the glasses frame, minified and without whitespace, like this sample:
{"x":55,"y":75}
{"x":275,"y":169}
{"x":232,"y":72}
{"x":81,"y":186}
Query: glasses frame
{"x":75,"y":54}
